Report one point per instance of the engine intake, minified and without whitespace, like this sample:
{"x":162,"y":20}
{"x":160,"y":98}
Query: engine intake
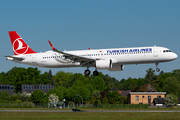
{"x":103,"y":64}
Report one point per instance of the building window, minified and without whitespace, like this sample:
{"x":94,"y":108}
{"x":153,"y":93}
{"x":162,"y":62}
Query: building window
{"x":137,"y":98}
{"x":2,"y":87}
{"x":49,"y":87}
{"x":11,"y":88}
{"x":143,"y":96}
{"x":24,"y":87}
{"x":158,"y":96}
{"x":40,"y":87}
{"x":149,"y":97}
{"x":44,"y":87}
{"x":32,"y":87}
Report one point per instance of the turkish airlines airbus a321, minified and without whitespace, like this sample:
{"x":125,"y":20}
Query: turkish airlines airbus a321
{"x":102,"y":59}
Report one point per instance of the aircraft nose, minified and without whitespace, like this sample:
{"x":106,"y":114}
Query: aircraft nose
{"x":175,"y":56}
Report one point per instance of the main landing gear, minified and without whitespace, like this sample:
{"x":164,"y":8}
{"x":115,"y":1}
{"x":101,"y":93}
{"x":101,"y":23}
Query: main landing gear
{"x":157,"y":69}
{"x":87,"y":72}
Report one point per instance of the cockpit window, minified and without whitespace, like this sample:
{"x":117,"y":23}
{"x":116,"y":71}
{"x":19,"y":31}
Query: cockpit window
{"x":166,"y":51}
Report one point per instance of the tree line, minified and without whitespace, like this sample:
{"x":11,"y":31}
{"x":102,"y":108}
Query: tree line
{"x":93,"y":89}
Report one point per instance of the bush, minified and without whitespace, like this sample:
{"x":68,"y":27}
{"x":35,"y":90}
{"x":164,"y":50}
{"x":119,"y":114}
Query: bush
{"x":15,"y":97}
{"x":5,"y":95}
{"x":38,"y":96}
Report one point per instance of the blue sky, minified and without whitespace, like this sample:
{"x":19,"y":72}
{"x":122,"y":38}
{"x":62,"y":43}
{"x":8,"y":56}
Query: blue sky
{"x":82,"y":24}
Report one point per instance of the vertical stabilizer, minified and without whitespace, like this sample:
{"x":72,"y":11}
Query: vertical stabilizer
{"x":19,"y":45}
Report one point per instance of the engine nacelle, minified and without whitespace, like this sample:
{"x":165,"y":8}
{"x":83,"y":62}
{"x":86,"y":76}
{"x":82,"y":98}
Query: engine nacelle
{"x":116,"y":67}
{"x":109,"y":64}
{"x":103,"y":64}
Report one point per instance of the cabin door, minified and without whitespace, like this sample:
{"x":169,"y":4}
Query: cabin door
{"x":155,"y":52}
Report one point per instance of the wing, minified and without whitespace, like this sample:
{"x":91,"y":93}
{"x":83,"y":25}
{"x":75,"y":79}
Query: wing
{"x":75,"y":58}
{"x":15,"y":58}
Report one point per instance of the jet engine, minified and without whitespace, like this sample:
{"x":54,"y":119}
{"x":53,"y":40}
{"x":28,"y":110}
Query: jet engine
{"x":103,"y":64}
{"x":109,"y":64}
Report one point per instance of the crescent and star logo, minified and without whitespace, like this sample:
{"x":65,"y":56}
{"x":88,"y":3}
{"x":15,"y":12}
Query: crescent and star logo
{"x":19,"y":46}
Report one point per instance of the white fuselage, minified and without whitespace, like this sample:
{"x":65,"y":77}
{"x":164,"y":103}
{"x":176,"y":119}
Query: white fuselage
{"x":122,"y":56}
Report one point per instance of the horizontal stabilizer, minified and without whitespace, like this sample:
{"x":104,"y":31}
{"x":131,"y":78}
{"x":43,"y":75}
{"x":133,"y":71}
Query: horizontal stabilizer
{"x":14,"y":58}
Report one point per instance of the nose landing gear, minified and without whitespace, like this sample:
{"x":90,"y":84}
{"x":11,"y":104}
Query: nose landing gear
{"x":157,"y":69}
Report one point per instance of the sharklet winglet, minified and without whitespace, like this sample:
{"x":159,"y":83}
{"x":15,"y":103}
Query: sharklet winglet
{"x":53,"y":48}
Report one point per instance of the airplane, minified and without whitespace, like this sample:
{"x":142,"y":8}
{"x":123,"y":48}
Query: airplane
{"x":102,"y":59}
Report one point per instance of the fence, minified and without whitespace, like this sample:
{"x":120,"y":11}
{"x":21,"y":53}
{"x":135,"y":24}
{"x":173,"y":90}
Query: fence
{"x":48,"y":105}
{"x":119,"y":106}
{"x":62,"y":105}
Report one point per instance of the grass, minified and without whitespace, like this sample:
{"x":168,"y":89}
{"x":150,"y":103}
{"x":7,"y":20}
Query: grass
{"x":88,"y":108}
{"x":87,"y":116}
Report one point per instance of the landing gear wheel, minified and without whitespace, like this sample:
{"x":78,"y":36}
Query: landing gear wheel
{"x":87,"y":72}
{"x":95,"y":73}
{"x":157,"y":69}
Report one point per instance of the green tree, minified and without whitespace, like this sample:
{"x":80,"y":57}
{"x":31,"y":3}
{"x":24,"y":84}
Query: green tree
{"x":160,"y":81}
{"x":150,"y":76}
{"x":50,"y":77}
{"x":55,"y":91}
{"x":81,"y":77}
{"x":38,"y":96}
{"x":171,"y":85}
{"x":124,"y":100}
{"x":98,"y":83}
{"x":63,"y":79}
{"x":130,"y":84}
{"x":72,"y":92}
{"x":83,"y":92}
{"x":17,"y":76}
{"x":90,"y":88}
{"x":114,"y":97}
{"x":105,"y":100}
{"x":78,"y":83}
{"x":15,"y":97}
{"x":3,"y":78}
{"x":4,"y":95}
{"x":140,"y":82}
{"x":65,"y":92}
{"x":109,"y":81}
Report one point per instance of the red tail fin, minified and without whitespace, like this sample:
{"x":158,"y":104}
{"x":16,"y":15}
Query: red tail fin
{"x":18,"y":44}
